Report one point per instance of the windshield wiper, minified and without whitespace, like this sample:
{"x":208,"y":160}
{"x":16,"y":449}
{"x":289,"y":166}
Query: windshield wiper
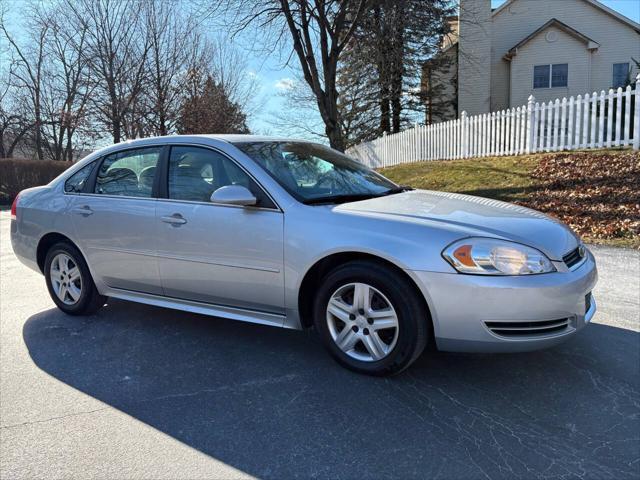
{"x":399,"y":189}
{"x":342,"y":198}
{"x":354,"y":197}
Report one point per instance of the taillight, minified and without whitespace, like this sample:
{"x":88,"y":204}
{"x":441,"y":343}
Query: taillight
{"x":14,"y":207}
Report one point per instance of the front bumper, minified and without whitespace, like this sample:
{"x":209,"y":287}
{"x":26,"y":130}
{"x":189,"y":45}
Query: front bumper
{"x":465,"y":307}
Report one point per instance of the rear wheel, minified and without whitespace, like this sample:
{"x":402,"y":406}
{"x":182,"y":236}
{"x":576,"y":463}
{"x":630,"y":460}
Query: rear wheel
{"x":370,"y":318}
{"x":69,"y":281}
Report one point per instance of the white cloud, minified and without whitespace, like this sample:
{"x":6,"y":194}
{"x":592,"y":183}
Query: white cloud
{"x":284,"y":84}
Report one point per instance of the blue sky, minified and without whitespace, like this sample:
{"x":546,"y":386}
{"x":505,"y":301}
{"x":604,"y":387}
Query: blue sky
{"x":273,"y":78}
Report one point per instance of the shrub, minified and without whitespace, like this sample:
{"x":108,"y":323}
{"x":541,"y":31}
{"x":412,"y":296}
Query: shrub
{"x":18,"y":174}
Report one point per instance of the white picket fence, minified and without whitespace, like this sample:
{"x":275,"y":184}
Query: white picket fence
{"x":602,"y":120}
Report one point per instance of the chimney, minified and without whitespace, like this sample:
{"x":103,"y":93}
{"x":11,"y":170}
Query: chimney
{"x":474,"y":57}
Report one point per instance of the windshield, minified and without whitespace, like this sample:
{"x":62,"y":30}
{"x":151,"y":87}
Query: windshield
{"x":314,"y":173}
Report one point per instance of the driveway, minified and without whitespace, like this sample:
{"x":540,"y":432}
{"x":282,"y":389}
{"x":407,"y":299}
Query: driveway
{"x":141,"y":392}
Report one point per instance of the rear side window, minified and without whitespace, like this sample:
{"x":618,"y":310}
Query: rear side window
{"x":77,"y":181}
{"x":129,"y":173}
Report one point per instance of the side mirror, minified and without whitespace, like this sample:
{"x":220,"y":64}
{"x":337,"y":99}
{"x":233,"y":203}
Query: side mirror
{"x":234,"y":195}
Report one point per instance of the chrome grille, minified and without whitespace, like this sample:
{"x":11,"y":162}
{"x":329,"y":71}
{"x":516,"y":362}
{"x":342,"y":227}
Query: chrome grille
{"x":528,"y":329}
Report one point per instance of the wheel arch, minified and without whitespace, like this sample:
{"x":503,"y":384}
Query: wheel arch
{"x":324,"y":265}
{"x":46,"y":242}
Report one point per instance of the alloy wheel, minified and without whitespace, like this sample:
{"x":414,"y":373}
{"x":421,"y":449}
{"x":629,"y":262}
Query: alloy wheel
{"x":66,"y":279}
{"x":362,"y":322}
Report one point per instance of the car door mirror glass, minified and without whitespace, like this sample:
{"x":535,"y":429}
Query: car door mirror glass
{"x":234,"y":195}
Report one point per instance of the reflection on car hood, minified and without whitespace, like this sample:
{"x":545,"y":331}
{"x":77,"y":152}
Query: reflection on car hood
{"x":476,"y":215}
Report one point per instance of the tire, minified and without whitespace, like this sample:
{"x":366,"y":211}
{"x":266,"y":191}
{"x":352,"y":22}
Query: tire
{"x":80,"y":295}
{"x":363,"y":352}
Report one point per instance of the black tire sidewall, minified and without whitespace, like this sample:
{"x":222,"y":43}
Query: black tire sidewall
{"x":412,"y":317}
{"x":88,"y":292}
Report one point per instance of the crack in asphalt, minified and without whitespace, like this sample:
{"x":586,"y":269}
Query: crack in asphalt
{"x":50,"y":419}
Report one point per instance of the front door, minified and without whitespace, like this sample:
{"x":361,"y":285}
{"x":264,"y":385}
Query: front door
{"x":115,"y":222}
{"x":218,"y":254}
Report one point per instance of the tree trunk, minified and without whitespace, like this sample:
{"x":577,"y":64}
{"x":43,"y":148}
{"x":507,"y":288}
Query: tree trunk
{"x":385,"y":111}
{"x":397,"y":66}
{"x":116,"y":131}
{"x":38,"y":131}
{"x":336,"y":139}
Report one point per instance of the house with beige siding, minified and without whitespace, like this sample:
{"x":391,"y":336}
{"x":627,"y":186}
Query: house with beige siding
{"x":546,"y":48}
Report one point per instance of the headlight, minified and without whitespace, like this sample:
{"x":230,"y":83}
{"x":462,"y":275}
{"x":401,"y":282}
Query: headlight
{"x":487,"y":256}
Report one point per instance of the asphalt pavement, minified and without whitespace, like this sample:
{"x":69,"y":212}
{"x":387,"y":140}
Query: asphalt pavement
{"x":142,"y":392}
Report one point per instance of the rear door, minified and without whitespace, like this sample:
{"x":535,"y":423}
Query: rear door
{"x":115,"y":221}
{"x":219,"y":254}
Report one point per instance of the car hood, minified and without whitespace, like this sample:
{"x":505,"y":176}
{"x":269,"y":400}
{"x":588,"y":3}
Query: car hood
{"x":471,"y":216}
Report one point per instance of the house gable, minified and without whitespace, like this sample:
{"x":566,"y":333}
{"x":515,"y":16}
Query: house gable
{"x":557,"y":25}
{"x":552,"y":45}
{"x":594,"y":3}
{"x":618,"y":40}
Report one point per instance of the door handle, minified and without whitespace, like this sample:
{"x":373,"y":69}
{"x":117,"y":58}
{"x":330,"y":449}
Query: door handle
{"x":176,"y":219}
{"x":85,"y":210}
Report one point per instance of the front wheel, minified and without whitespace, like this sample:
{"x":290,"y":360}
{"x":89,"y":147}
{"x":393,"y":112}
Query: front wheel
{"x":69,"y":281}
{"x":370,"y":318}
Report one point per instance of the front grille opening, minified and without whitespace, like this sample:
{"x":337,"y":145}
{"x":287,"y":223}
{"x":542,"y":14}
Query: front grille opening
{"x":573,"y":257}
{"x":529,"y":329}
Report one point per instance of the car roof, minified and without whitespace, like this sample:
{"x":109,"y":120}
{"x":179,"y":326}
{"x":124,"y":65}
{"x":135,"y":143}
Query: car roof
{"x":229,"y":138}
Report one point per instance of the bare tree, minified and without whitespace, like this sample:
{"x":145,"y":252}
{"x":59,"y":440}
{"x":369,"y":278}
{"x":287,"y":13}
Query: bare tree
{"x":229,"y":68}
{"x":116,"y":49}
{"x":172,"y":39}
{"x":66,"y":87}
{"x":27,"y":72}
{"x":299,"y":117}
{"x":14,"y":122}
{"x":318,"y":32}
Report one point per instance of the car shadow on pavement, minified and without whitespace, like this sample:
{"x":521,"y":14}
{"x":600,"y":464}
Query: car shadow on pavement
{"x":271,"y":402}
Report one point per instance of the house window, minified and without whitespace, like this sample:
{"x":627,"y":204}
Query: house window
{"x":560,"y":75}
{"x":541,"y":76}
{"x":551,"y":76}
{"x":620,"y":74}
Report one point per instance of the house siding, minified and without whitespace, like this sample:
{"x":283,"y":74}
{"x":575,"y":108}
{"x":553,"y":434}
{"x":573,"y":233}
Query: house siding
{"x":538,"y":51}
{"x":618,"y":43}
{"x":474,"y":53}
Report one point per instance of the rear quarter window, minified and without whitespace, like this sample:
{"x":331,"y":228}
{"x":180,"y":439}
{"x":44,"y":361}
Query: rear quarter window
{"x":77,"y":181}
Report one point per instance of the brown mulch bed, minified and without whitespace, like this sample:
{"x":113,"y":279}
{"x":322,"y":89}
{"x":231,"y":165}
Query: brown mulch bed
{"x":597,"y":194}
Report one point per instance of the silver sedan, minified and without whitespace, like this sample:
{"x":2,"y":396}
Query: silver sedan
{"x":293,"y":234}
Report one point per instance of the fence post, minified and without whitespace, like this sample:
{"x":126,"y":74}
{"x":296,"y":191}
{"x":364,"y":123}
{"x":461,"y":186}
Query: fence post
{"x":530,"y":123}
{"x":385,"y":141}
{"x":636,"y":120}
{"x":465,"y":135}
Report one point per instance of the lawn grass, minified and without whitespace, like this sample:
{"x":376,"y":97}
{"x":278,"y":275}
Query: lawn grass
{"x":537,"y":181}
{"x":503,"y":178}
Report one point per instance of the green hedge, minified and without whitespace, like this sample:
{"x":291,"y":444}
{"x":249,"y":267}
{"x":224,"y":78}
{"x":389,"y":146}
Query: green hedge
{"x":17,"y":174}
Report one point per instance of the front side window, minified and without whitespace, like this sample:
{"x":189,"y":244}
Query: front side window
{"x":129,"y":173}
{"x":621,"y":74}
{"x":196,"y":172}
{"x":314,"y":173}
{"x":551,"y":76}
{"x":76,"y":182}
